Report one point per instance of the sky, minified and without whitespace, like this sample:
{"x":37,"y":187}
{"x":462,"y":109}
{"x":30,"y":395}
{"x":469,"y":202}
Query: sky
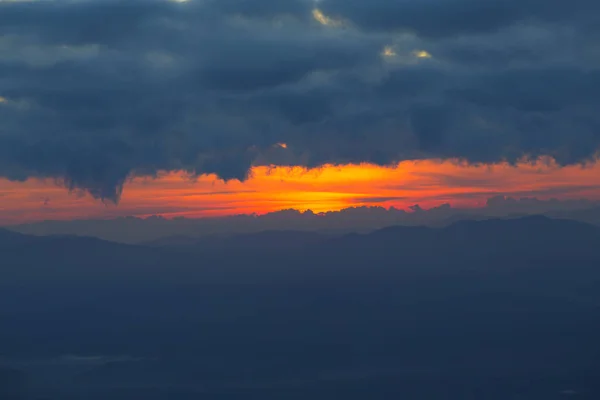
{"x":217,"y":107}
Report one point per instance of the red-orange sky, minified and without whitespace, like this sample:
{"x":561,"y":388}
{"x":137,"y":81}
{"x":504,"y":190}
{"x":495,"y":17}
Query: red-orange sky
{"x":428,"y":183}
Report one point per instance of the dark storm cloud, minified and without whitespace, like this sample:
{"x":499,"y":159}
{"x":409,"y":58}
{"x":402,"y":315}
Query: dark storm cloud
{"x":437,"y":18}
{"x":94,"y":91}
{"x":85,"y":21}
{"x":260,"y":9}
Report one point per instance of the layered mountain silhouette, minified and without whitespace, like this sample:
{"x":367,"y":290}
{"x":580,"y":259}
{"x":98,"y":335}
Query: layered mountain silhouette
{"x":134,"y":230}
{"x":11,"y":239}
{"x":260,"y":241}
{"x":489,"y":309}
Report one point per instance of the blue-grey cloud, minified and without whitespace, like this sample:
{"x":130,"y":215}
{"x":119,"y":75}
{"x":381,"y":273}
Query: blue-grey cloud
{"x":94,"y":91}
{"x":437,"y":18}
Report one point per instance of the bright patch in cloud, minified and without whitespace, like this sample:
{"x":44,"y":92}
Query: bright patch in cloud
{"x":324,"y":19}
{"x":422,"y":54}
{"x":388,"y":51}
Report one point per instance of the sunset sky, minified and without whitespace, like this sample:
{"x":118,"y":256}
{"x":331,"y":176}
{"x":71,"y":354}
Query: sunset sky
{"x":208,"y":108}
{"x":330,"y":188}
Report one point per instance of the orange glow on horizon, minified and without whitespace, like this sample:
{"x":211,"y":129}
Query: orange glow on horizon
{"x":329,"y":188}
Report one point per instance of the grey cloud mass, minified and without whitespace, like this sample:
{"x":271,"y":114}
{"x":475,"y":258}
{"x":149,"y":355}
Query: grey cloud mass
{"x":94,"y":91}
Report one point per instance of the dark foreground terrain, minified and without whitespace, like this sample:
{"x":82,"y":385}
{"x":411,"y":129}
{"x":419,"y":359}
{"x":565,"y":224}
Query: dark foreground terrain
{"x":497,"y":309}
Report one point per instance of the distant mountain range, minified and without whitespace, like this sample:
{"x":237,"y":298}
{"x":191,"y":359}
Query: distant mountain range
{"x":478,"y":309}
{"x":265,"y":240}
{"x":355,"y":219}
{"x":472,"y":235}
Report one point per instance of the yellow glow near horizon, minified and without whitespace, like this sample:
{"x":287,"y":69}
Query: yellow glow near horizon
{"x":428,"y":183}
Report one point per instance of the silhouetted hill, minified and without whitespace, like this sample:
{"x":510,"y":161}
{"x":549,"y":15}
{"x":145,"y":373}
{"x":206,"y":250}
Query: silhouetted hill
{"x":306,"y":252}
{"x":520,"y":232}
{"x":353,"y":219}
{"x":173,"y":241}
{"x":15,"y":241}
{"x":9,"y":238}
{"x":587,"y":215}
{"x":533,"y":224}
{"x":260,"y":241}
{"x":479,"y":309}
{"x":471,"y":239}
{"x":66,"y":258}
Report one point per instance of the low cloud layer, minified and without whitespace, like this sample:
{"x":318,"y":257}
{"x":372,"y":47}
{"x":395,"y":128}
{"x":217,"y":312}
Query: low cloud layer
{"x":353,"y":219}
{"x":93,"y":91}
